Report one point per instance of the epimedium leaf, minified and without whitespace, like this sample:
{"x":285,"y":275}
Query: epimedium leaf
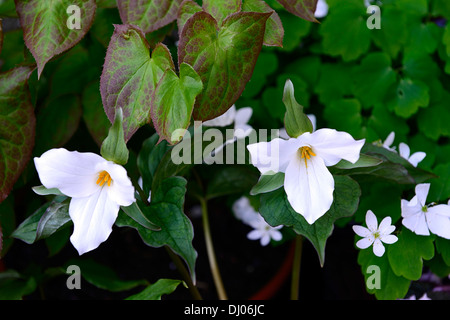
{"x":220,"y":9}
{"x":301,"y":8}
{"x":149,"y":15}
{"x":172,"y":102}
{"x":223,"y":55}
{"x":156,"y":290}
{"x":47,"y":26}
{"x":187,"y":10}
{"x":166,"y":211}
{"x":130,"y":76}
{"x":345,"y":203}
{"x":17,"y":126}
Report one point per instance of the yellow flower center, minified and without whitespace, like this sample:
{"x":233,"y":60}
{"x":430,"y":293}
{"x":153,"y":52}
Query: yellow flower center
{"x":103,"y":178}
{"x":306,"y":153}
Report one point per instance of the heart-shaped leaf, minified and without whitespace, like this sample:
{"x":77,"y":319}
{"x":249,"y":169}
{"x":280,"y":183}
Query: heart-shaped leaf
{"x":173,"y":101}
{"x":301,"y":8}
{"x":220,"y":9}
{"x":223,"y":55}
{"x":52,"y":27}
{"x":130,"y":76}
{"x":149,"y":15}
{"x":17,"y":127}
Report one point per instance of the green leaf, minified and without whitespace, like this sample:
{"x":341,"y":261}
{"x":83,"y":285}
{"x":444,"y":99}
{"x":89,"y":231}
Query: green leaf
{"x":346,"y":22}
{"x":274,"y":28}
{"x":45,"y":26}
{"x":166,"y":211}
{"x":364,"y":161}
{"x":276,"y":210}
{"x":410,"y":96}
{"x":173,"y":101}
{"x":301,"y":8}
{"x":135,"y":213}
{"x":114,"y":147}
{"x":344,"y":115}
{"x":156,"y":290}
{"x":407,"y":254}
{"x":224,"y":57}
{"x":220,"y":9}
{"x":443,"y":247}
{"x":440,"y":186}
{"x":268,"y":182}
{"x":149,"y":15}
{"x":103,"y":276}
{"x":187,"y":10}
{"x":17,"y":125}
{"x":14,"y":286}
{"x":296,"y":121}
{"x":433,"y":121}
{"x":130,"y":76}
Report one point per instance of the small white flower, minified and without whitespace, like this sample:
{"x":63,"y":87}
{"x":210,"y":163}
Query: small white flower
{"x":244,"y":211}
{"x":421,"y":219}
{"x":414,"y":158}
{"x":375,"y":235}
{"x":389,"y":141}
{"x":97,"y":187}
{"x":308,"y":183}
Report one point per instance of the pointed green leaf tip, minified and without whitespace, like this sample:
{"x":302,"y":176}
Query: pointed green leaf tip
{"x":296,"y":121}
{"x":114,"y":147}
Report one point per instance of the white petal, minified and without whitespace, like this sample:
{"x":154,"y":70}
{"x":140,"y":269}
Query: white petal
{"x":404,"y":150}
{"x":223,"y":120}
{"x":242,"y":130}
{"x":333,"y":146}
{"x":244,"y":211}
{"x":93,"y":218}
{"x":265,"y":239}
{"x":309,"y":188}
{"x":438,"y":223}
{"x":371,"y":221}
{"x":72,"y":172}
{"x":364,"y":243}
{"x":417,"y":157}
{"x":275,"y":234}
{"x":254,"y":235}
{"x":440,"y":209}
{"x":274,"y":155}
{"x":410,"y":208}
{"x":361,"y":231}
{"x":121,"y":190}
{"x":389,"y":140}
{"x":389,"y":239}
{"x":313,"y":120}
{"x":422,"y":193}
{"x":243,"y":116}
{"x":378,"y":248}
{"x":321,"y":9}
{"x":417,"y":224}
{"x":385,"y":226}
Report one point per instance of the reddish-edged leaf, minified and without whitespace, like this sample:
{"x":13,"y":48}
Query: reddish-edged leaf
{"x":224,"y":57}
{"x":1,"y":36}
{"x":274,"y":28}
{"x":130,"y":76}
{"x":187,"y":10}
{"x":220,"y":9}
{"x":301,"y":8}
{"x":149,"y":15}
{"x":51,"y":27}
{"x":17,"y":127}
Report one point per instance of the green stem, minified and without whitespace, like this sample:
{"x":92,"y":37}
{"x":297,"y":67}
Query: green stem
{"x":184,"y":273}
{"x":211,"y":255}
{"x":296,"y":267}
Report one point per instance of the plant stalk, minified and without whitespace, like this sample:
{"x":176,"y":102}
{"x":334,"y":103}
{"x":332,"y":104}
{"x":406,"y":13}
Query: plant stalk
{"x":296,"y":266}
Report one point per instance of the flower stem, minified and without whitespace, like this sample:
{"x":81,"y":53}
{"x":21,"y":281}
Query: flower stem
{"x":184,"y":273}
{"x":211,"y":255}
{"x":296,"y":264}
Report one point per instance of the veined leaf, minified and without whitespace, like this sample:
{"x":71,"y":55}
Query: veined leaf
{"x":220,"y":9}
{"x":156,"y":290}
{"x":301,"y":8}
{"x":223,"y":55}
{"x":17,"y":127}
{"x":187,"y":9}
{"x":130,"y":76}
{"x":48,"y":29}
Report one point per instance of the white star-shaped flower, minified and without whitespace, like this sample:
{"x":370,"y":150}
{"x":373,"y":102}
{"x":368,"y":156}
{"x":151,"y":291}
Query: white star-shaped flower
{"x":375,"y":235}
{"x":308,"y":183}
{"x":97,"y":187}
{"x":414,"y":158}
{"x":421,"y":219}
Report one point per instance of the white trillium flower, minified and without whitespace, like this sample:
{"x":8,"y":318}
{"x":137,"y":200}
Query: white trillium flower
{"x":97,"y":187}
{"x":421,"y":219}
{"x":308,"y":183}
{"x":244,"y":211}
{"x":414,"y":158}
{"x":375,"y":235}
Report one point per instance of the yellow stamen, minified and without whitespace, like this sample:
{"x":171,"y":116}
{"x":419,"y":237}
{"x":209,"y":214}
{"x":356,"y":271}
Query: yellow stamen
{"x":103,"y":178}
{"x":306,"y":153}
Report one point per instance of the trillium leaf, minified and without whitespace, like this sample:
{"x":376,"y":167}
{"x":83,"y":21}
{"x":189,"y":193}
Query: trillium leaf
{"x":346,"y":199}
{"x":156,"y":290}
{"x":172,"y":102}
{"x":166,"y":211}
{"x":135,"y":213}
{"x":130,"y":76}
{"x":301,"y":8}
{"x":364,"y":161}
{"x":407,"y":254}
{"x":268,"y":182}
{"x":17,"y":127}
{"x":48,"y":29}
{"x":296,"y":121}
{"x":220,"y":9}
{"x":223,"y":55}
{"x":149,"y":15}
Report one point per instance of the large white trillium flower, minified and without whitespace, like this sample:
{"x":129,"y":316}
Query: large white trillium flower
{"x":308,"y":183}
{"x":375,"y":234}
{"x":421,"y":219}
{"x":97,"y":187}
